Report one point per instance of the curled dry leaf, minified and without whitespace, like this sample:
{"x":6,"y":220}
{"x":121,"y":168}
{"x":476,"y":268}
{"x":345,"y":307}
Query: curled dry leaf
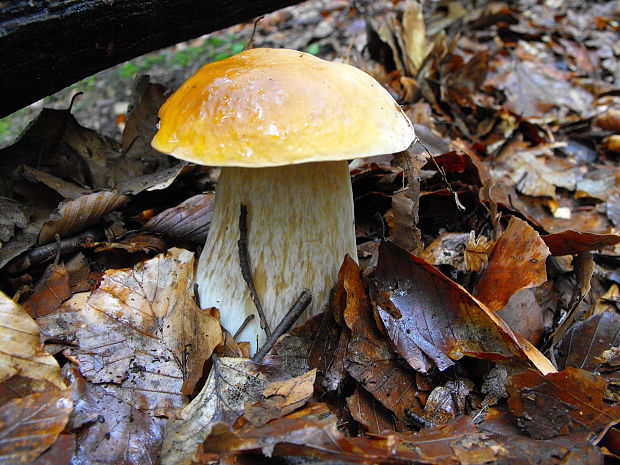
{"x":190,"y":220}
{"x":556,"y":404}
{"x":29,"y":425}
{"x":477,"y":252}
{"x":143,"y":331}
{"x":281,"y":398}
{"x":369,"y":357}
{"x":74,"y":215}
{"x":517,"y":262}
{"x":571,"y":242}
{"x":231,"y":383}
{"x":22,"y":353}
{"x":428,"y":316}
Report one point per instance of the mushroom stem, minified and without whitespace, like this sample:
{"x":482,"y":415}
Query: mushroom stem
{"x":300,"y":226}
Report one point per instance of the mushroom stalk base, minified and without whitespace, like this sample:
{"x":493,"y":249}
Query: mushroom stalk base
{"x":300,"y":226}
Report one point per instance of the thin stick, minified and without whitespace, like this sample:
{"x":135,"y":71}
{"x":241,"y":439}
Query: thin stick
{"x":287,"y":322}
{"x":246,"y":269}
{"x":248,"y":318}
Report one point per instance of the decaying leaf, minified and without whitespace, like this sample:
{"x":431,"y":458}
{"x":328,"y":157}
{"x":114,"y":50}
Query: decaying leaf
{"x":369,"y":358}
{"x":517,"y":262}
{"x":29,"y":425}
{"x":584,"y":343}
{"x":571,"y":242}
{"x":189,"y":220}
{"x":477,"y":251}
{"x":22,"y":353}
{"x":74,"y":215}
{"x":232,"y":382}
{"x":555,"y":404}
{"x":429,"y":316}
{"x":143,"y":331}
{"x":52,"y":289}
{"x":281,"y":398}
{"x":109,"y":430}
{"x":367,"y":411}
{"x":448,"y":249}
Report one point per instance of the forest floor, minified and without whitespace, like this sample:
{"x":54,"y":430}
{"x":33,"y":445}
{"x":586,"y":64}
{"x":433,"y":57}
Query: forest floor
{"x":480,"y":324}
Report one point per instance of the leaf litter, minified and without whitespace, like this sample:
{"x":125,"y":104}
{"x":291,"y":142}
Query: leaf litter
{"x":491,"y":337}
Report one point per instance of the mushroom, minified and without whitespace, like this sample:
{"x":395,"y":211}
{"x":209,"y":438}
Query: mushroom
{"x":282,"y":125}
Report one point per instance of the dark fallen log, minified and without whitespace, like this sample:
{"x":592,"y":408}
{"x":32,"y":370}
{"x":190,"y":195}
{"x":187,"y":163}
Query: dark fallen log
{"x":47,"y":45}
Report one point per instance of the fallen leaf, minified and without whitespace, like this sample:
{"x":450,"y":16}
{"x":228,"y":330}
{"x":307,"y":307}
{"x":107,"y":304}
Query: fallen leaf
{"x":22,"y":352}
{"x":74,"y":215}
{"x":518,"y":261}
{"x":281,"y":398}
{"x":190,"y":220}
{"x":555,"y":404}
{"x":11,"y":216}
{"x":111,"y":431}
{"x":143,"y":331}
{"x":50,"y":292}
{"x":60,"y":453}
{"x":369,"y":358}
{"x":447,"y":249}
{"x":428,"y":315}
{"x":29,"y":425}
{"x":570,"y":242}
{"x":367,"y":411}
{"x":585,"y":341}
{"x":231,"y":383}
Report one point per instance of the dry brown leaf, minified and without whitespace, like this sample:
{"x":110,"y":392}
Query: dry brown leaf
{"x":66,"y":189}
{"x":477,"y":252}
{"x":21,"y":351}
{"x":369,"y":357}
{"x":556,"y":404}
{"x":51,"y":291}
{"x":585,"y":341}
{"x":189,"y":220}
{"x":109,"y":430}
{"x":428,"y":316}
{"x":517,"y":262}
{"x":29,"y":425}
{"x":143,"y":331}
{"x":231,"y":383}
{"x":367,"y":411}
{"x":414,"y":36}
{"x":281,"y":398}
{"x":74,"y":215}
{"x":571,"y":242}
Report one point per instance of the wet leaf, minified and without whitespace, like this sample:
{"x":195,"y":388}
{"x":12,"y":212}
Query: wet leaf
{"x":143,"y":331}
{"x":555,"y":404}
{"x":281,"y":398}
{"x":189,"y":220}
{"x":517,"y":262}
{"x":571,"y":242}
{"x":369,"y":358}
{"x":232,"y":382}
{"x":366,"y":410}
{"x":585,"y":341}
{"x":22,"y":353}
{"x":74,"y":215}
{"x":29,"y":425}
{"x":428,"y":316}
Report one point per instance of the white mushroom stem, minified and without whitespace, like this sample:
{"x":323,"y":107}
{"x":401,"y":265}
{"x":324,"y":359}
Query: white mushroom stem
{"x":300,"y":226}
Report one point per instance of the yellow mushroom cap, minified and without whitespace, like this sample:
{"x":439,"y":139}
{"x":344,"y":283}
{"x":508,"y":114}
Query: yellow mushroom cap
{"x":271,"y":107}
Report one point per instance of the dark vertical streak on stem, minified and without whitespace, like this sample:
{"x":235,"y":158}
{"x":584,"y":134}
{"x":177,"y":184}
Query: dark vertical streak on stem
{"x":246,"y":269}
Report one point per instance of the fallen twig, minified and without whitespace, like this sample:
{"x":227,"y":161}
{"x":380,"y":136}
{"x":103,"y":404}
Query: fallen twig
{"x":287,"y":322}
{"x":246,"y":270}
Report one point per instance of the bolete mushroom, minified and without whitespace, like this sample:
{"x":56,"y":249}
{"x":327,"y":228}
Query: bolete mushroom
{"x":281,"y":124}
